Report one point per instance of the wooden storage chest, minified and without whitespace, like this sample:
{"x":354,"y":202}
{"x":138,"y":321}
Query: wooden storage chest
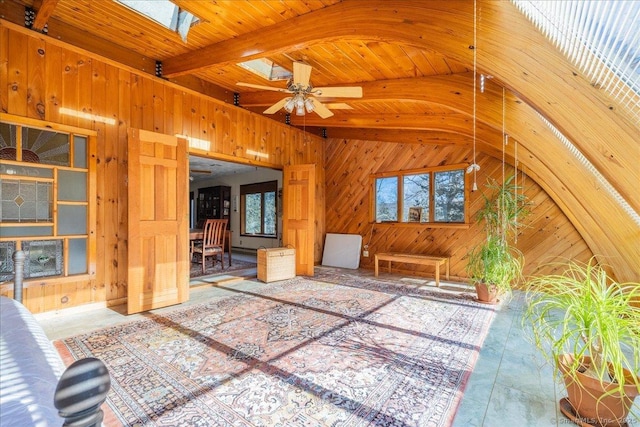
{"x":276,"y":264}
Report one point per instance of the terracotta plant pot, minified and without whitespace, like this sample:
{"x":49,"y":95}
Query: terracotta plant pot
{"x":487,"y":293}
{"x":586,"y":397}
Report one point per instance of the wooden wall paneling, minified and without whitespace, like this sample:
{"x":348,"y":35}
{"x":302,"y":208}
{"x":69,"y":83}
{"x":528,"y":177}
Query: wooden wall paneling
{"x":111,"y":159}
{"x":17,"y":78}
{"x":123,"y":112}
{"x":231,"y":140}
{"x":87,"y":85}
{"x":4,"y":68}
{"x":93,"y":98}
{"x":203,"y":122}
{"x":213,"y":127}
{"x":168,"y":111}
{"x":33,"y":297}
{"x":51,"y":296}
{"x":84,"y":82}
{"x":177,"y":112}
{"x":195,"y":117}
{"x":345,"y":207}
{"x":70,"y":87}
{"x":184,"y":125}
{"x":219,"y":125}
{"x":135,"y":119}
{"x":53,"y":85}
{"x":36,"y":49}
{"x":148,"y":114}
{"x":158,"y":106}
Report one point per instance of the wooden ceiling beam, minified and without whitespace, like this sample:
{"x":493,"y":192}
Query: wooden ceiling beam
{"x":454,"y":91}
{"x":430,"y":27}
{"x":44,"y":10}
{"x":406,"y":136}
{"x":454,"y":122}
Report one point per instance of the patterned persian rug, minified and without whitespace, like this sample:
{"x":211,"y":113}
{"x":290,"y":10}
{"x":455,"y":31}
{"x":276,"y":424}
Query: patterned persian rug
{"x":333,"y":350}
{"x":211,"y":268}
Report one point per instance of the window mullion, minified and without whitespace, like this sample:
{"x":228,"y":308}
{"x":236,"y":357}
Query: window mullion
{"x":400,"y":213}
{"x":263,"y":202}
{"x":432,"y":197}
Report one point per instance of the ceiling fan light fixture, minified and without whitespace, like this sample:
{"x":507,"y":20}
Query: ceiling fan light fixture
{"x":299,"y":101}
{"x":288,"y":106}
{"x":308,"y":105}
{"x":300,"y":110}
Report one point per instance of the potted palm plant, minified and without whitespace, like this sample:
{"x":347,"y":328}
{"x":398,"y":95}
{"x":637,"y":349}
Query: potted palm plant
{"x":494,"y":265}
{"x":588,"y":325}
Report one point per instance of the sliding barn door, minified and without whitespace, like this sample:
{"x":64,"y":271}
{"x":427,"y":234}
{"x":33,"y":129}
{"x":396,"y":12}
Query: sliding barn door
{"x":298,"y":218}
{"x":158,"y":253}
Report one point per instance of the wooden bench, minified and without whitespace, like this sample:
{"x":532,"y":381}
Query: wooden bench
{"x":436,"y":261}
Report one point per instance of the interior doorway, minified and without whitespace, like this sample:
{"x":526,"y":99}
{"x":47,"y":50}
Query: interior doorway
{"x":210,"y":178}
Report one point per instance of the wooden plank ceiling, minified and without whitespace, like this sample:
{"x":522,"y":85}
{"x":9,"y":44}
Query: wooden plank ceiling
{"x":118,"y":32}
{"x":415,"y":62}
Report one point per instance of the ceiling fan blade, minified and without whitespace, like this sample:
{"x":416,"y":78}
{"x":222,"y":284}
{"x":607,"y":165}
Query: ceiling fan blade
{"x":301,"y":73}
{"x":275,"y":89}
{"x":338,"y":92}
{"x":321,"y":109}
{"x":275,"y":107}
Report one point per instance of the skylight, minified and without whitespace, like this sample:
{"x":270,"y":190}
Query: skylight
{"x":165,"y":13}
{"x":600,"y":37}
{"x":266,"y":69}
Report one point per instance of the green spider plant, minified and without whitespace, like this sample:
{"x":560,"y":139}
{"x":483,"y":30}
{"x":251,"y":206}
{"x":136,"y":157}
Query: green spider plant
{"x":494,"y":261}
{"x":583,"y":312}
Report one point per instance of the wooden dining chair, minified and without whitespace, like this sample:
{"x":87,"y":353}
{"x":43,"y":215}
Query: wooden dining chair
{"x":212,"y":242}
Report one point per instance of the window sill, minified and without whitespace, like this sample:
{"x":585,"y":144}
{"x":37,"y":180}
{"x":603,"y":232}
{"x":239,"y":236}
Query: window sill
{"x":262,"y":236}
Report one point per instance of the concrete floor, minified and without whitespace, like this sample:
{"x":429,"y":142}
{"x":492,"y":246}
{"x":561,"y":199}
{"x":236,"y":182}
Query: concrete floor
{"x":510,"y":385}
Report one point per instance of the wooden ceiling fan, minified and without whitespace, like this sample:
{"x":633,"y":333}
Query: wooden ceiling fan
{"x":303,"y":99}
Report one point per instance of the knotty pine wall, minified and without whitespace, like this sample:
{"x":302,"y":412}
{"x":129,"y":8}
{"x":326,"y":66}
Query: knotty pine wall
{"x":40,"y":76}
{"x":548,"y":237}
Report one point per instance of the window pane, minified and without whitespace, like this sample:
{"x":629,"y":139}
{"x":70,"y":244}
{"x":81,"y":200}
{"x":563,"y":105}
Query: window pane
{"x":72,"y":220}
{"x":26,"y":231}
{"x":72,"y":186}
{"x":80,"y":151}
{"x":449,"y":196}
{"x":416,"y":195}
{"x":25,"y":170}
{"x":253,"y":213}
{"x":77,"y":256}
{"x":270,"y":213}
{"x":387,"y":199}
{"x":46,"y":147}
{"x":6,"y":260}
{"x":25,"y":201}
{"x":42,"y":258}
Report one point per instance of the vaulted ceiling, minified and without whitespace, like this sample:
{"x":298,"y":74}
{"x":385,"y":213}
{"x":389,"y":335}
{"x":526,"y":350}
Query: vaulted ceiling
{"x":416,"y":62}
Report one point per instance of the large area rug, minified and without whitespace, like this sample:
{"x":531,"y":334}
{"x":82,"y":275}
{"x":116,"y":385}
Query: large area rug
{"x":333,"y":350}
{"x":212,"y":268}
